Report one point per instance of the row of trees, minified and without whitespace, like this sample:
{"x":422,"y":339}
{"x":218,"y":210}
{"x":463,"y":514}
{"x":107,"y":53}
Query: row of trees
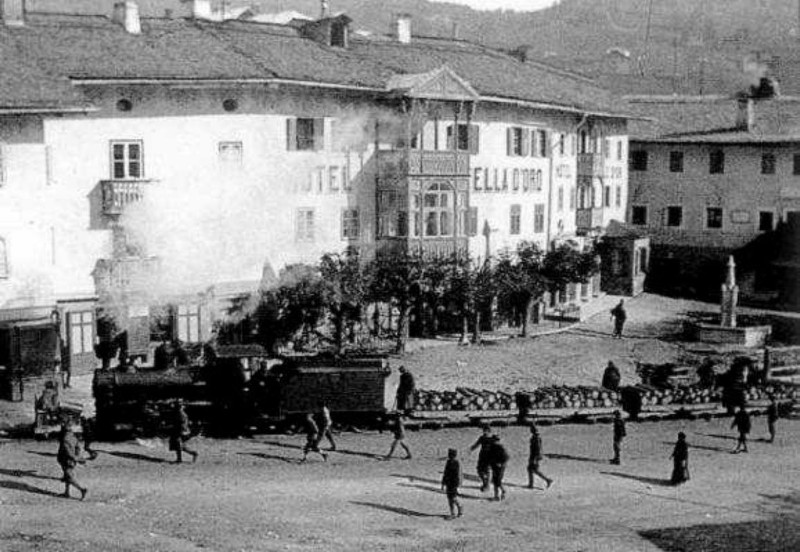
{"x":340,"y":286}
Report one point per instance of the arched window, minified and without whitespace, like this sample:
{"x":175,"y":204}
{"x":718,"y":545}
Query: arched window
{"x":437,"y":210}
{"x":3,"y":259}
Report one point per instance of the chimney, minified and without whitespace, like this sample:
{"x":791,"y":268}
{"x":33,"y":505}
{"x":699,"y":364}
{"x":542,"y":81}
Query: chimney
{"x":201,"y":9}
{"x":13,"y":12}
{"x":127,"y":14}
{"x":324,"y":9}
{"x":402,"y":28}
{"x":745,"y":115}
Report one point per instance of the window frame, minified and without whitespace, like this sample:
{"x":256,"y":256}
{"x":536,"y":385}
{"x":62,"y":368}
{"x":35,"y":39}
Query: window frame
{"x":515,"y":219}
{"x":676,"y":161}
{"x":125,"y":162}
{"x":709,"y":218}
{"x":716,"y":161}
{"x":538,"y":218}
{"x":644,"y":209}
{"x":769,"y":212}
{"x":769,"y":163}
{"x":305,"y":142}
{"x":350,"y":224}
{"x":667,"y":213}
{"x":438,"y":214}
{"x":77,"y":321}
{"x":188,"y":322}
{"x":222,"y":147}
{"x":304,"y":225}
{"x":639,"y":160}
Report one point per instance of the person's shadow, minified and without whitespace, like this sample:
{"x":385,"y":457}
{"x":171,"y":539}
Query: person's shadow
{"x":396,"y":510}
{"x":135,"y":456}
{"x":272,"y":457}
{"x":27,"y":473}
{"x":640,"y":478}
{"x":24,"y":487}
{"x":557,"y":456}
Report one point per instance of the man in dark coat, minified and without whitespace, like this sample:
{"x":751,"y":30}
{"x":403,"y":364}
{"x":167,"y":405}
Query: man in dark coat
{"x":69,"y":455}
{"x":619,"y":316}
{"x":741,"y":421}
{"x":611,"y":377}
{"x":535,"y":458}
{"x":451,"y":481}
{"x":498,"y":459}
{"x":619,"y":435}
{"x":484,"y":442}
{"x":405,"y":392}
{"x":772,"y":417}
{"x":180,"y":434}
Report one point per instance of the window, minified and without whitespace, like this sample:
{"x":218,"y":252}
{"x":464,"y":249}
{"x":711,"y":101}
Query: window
{"x":505,"y":180}
{"x":536,"y":180}
{"x":713,"y":217}
{"x":346,"y":184}
{"x":639,"y":215}
{"x":126,"y":160}
{"x":230,"y":153}
{"x":572,"y":193}
{"x":796,"y":164}
{"x":618,"y":198}
{"x":676,"y":161}
{"x":350,"y":224}
{"x":81,"y":332}
{"x":476,"y":180}
{"x":304,"y":225}
{"x":333,"y":178}
{"x":766,"y":221}
{"x":561,"y":148}
{"x":606,"y":148}
{"x":538,"y":218}
{"x":542,"y":146}
{"x":339,"y":34}
{"x":607,"y":196}
{"x":515,"y":180}
{"x":619,"y":150}
{"x":468,"y":138}
{"x":304,"y":134}
{"x":472,"y":228}
{"x":716,"y":162}
{"x":188,"y":323}
{"x":515,"y":219}
{"x":3,"y":259}
{"x":526,"y":180}
{"x":642,"y":255}
{"x":516,"y":141}
{"x":768,"y":163}
{"x":437,"y":210}
{"x":639,"y":160}
{"x":674,"y":216}
{"x":560,"y":199}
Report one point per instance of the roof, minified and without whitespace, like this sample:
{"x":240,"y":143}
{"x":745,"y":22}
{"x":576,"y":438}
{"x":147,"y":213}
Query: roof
{"x":713,"y":119}
{"x":85,"y":47}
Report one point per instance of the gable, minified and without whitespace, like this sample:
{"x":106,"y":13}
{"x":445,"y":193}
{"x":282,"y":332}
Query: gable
{"x":440,"y":84}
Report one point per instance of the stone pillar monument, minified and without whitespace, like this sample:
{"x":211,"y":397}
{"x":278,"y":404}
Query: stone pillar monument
{"x":730,"y":296}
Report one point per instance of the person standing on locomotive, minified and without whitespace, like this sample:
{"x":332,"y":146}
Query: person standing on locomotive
{"x":405,"y":392}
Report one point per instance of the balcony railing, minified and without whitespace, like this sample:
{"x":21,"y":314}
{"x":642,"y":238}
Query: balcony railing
{"x":591,"y":164}
{"x":424,"y":163}
{"x":587,"y":219}
{"x":437,"y":247}
{"x":117,"y":194}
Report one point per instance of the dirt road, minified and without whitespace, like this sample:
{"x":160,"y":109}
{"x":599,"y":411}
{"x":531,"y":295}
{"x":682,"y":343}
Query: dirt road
{"x":253,"y":495}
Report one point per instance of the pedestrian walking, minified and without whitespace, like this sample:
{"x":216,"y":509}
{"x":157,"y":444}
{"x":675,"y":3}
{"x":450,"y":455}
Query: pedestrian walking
{"x":405,"y":392}
{"x":399,"y":430}
{"x":680,"y":460}
{"x":451,"y":481}
{"x":87,"y":435}
{"x":741,"y":421}
{"x":619,"y":316}
{"x":484,"y":443}
{"x":772,"y":417}
{"x":325,"y":425}
{"x":535,"y":458}
{"x":619,"y":435}
{"x":498,"y":461}
{"x":312,"y":438}
{"x":180,"y":434}
{"x":611,"y":377}
{"x":69,"y":456}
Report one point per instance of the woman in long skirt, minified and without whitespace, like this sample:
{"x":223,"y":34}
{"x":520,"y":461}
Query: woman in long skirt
{"x":680,"y":459}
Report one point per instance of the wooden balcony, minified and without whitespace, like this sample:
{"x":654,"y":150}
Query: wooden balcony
{"x":436,"y":247}
{"x":591,"y":165}
{"x":117,"y":194}
{"x":589,"y":219}
{"x":423,"y":163}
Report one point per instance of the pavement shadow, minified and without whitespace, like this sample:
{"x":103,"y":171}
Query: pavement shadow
{"x":699,"y":447}
{"x":348,"y":452}
{"x":720,"y":436}
{"x":438,"y":490}
{"x":396,"y":510}
{"x":558,"y":456}
{"x":283,"y":445}
{"x":27,"y":473}
{"x":263,"y":456}
{"x":640,"y":478}
{"x":136,"y":456}
{"x":24,"y":487}
{"x":438,"y":482}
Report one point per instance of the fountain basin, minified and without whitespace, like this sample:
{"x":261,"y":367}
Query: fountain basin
{"x":742,"y":336}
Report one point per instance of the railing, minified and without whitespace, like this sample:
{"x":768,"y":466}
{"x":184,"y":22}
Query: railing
{"x":422,"y":163}
{"x":586,"y":219}
{"x":591,"y":164}
{"x":117,"y":194}
{"x":438,"y":247}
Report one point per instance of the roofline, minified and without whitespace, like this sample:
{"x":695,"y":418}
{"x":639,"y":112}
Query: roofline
{"x":255,"y":81}
{"x":699,"y":142}
{"x":34,"y":110}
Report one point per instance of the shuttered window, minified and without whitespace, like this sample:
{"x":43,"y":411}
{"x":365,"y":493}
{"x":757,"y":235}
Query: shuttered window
{"x":468,"y":138}
{"x":305,"y":134}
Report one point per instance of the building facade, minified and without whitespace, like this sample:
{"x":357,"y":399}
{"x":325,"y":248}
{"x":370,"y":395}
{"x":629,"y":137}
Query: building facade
{"x":709,"y":177}
{"x":176,"y":161}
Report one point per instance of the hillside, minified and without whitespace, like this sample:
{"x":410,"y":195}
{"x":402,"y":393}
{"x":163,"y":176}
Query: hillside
{"x":694,"y":46}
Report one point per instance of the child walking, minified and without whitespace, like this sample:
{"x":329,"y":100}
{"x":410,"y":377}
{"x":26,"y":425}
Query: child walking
{"x":451,"y":481}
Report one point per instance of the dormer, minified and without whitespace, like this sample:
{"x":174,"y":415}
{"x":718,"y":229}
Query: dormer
{"x":330,"y":31}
